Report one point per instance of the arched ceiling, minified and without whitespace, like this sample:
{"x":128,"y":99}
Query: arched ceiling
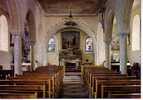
{"x":76,"y":6}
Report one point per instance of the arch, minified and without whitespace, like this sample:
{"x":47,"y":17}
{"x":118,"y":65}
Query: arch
{"x":4,"y":37}
{"x":123,"y":14}
{"x":136,"y":33}
{"x":81,"y":26}
{"x":115,"y":42}
{"x":115,"y":36}
{"x":108,"y":24}
{"x":14,"y":16}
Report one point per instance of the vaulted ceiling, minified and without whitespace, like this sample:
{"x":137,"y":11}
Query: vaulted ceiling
{"x":76,"y":6}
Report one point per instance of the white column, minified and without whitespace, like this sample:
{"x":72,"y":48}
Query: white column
{"x":17,"y":54}
{"x":123,"y":53}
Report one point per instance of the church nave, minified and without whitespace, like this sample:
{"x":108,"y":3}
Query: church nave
{"x":70,"y":49}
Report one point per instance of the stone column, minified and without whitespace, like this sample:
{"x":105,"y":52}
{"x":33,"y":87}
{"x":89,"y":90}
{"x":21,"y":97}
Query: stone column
{"x":32,"y":55}
{"x":122,"y":9}
{"x":107,"y":54}
{"x":17,"y":54}
{"x":123,"y":53}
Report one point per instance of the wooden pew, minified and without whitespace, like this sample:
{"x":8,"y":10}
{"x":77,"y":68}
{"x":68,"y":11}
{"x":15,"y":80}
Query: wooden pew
{"x":57,"y":78}
{"x":49,"y":81}
{"x":35,"y":89}
{"x":4,"y":74}
{"x":50,"y":68}
{"x":99,"y":83}
{"x":95,"y":80}
{"x":47,"y":77}
{"x":124,"y":95}
{"x":46,"y":84}
{"x":95,"y":77}
{"x":106,"y":90}
{"x":89,"y":71}
{"x":105,"y":75}
{"x":18,"y":95}
{"x":56,"y":81}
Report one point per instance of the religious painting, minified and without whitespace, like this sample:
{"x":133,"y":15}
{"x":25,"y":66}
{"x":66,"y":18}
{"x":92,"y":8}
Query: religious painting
{"x":70,"y":39}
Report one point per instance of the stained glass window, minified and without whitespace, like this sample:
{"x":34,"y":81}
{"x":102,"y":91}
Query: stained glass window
{"x":51,"y":45}
{"x":89,"y":45}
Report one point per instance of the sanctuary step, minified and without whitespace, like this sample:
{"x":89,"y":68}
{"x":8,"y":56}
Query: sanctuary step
{"x":73,"y":87}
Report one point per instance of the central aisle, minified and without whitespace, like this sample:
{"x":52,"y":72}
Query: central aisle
{"x":73,"y":86}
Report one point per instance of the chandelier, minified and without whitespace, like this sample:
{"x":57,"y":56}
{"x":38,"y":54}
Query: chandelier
{"x":69,"y":21}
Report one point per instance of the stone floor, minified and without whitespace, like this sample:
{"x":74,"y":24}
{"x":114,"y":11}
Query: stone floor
{"x":73,"y":86}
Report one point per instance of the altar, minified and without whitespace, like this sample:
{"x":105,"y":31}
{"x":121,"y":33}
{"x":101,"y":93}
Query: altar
{"x":71,"y":65}
{"x":70,"y":59}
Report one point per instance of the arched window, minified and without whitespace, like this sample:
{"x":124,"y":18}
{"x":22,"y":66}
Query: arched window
{"x":136,"y":33}
{"x":3,"y":33}
{"x":89,"y":45}
{"x":51,"y":45}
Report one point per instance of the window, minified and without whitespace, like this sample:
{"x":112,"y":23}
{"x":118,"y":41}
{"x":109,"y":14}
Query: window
{"x":3,"y":33}
{"x":51,"y":45}
{"x":136,"y":33}
{"x":89,"y":45}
